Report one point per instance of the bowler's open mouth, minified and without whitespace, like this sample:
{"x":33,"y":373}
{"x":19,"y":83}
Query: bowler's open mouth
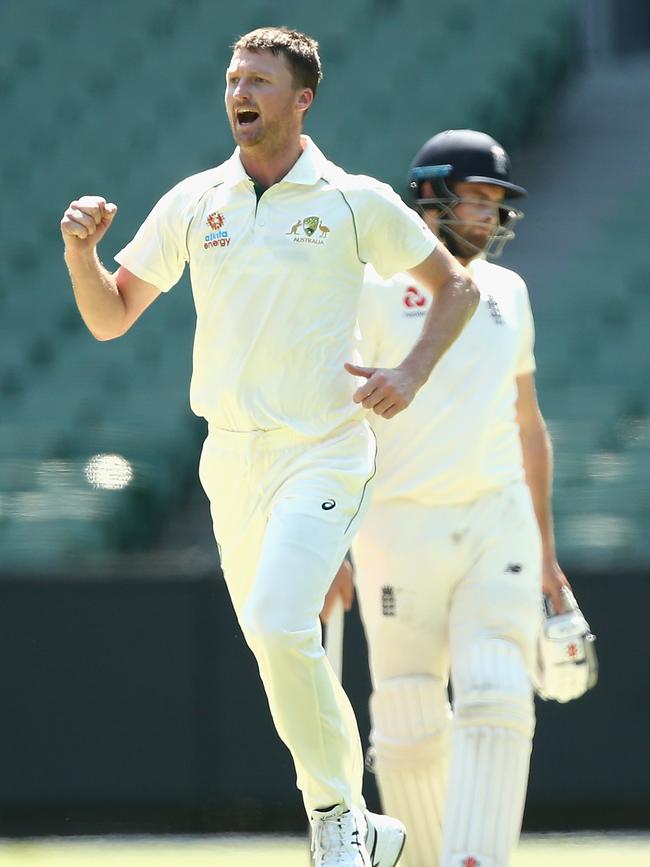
{"x":247,"y":115}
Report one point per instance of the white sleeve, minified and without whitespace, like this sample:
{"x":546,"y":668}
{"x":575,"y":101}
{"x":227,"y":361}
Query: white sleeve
{"x":158,"y":252}
{"x":392,"y":237}
{"x":525,"y":356}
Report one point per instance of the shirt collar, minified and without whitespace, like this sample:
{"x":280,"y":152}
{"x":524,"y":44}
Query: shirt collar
{"x":307,"y":169}
{"x":234,"y":172}
{"x":476,"y":263}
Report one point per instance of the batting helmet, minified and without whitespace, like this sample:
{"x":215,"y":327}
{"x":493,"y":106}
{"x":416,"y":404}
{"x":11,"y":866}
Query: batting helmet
{"x":473,"y":157}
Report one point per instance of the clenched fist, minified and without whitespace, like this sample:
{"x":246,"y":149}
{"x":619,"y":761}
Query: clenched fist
{"x":86,"y":221}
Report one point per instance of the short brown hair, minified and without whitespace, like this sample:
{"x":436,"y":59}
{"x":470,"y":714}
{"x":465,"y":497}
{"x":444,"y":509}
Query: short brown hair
{"x":300,"y":50}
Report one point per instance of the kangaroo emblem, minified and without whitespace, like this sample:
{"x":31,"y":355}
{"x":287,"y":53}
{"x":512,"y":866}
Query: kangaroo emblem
{"x":294,"y":228}
{"x":324,"y":230}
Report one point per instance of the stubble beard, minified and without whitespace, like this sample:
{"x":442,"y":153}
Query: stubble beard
{"x":274,"y":142}
{"x":464,"y":246}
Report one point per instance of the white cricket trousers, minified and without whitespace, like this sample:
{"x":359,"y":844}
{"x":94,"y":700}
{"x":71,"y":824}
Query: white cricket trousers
{"x":452,"y":589}
{"x":434,"y":580}
{"x":285,"y":509}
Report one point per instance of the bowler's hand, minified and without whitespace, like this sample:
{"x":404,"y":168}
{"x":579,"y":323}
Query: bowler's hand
{"x":343,"y":586}
{"x":553,"y":580}
{"x":387,"y":390}
{"x":85,"y":222}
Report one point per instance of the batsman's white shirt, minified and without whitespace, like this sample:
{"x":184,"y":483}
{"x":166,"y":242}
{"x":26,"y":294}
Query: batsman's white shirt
{"x":459,"y":438}
{"x":276,"y":284}
{"x":448,"y":562}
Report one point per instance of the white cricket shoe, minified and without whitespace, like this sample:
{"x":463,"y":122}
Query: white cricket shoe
{"x":385,"y":838}
{"x":337,"y":838}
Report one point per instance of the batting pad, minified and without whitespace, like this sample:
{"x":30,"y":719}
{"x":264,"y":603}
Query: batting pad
{"x":411,"y":726}
{"x":493,"y":728}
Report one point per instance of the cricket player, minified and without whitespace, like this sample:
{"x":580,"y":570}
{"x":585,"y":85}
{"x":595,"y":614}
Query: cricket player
{"x":276,"y":239}
{"x":458,"y":541}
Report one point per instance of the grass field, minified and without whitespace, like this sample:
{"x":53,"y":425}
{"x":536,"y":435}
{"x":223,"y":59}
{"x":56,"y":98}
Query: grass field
{"x":551,"y":850}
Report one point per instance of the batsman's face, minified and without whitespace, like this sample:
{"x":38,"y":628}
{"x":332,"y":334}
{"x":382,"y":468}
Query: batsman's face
{"x":477,"y":212}
{"x":264,"y":107}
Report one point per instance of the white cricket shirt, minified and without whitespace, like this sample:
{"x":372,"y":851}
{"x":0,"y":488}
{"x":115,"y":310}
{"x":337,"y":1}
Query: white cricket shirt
{"x":459,"y":438}
{"x":276,"y":284}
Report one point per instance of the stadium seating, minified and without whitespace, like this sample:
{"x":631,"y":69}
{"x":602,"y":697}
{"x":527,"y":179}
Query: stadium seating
{"x":93,"y":104}
{"x":594,"y":393}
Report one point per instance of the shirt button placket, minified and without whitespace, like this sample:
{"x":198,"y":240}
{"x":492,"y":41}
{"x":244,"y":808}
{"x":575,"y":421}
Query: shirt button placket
{"x":260,"y":217}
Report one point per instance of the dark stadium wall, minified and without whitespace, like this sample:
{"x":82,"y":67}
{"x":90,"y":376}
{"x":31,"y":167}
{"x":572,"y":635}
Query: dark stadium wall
{"x":630,"y":21}
{"x":132,"y":706}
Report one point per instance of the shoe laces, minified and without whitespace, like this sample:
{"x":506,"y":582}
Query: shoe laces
{"x":332,"y":837}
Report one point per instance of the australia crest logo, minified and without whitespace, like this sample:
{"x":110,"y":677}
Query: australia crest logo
{"x":304,"y":230}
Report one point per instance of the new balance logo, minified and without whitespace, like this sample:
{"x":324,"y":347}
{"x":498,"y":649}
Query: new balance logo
{"x":388,"y":601}
{"x":514,"y":567}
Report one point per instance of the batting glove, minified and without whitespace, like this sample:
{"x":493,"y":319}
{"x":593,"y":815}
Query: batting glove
{"x":567,"y":665}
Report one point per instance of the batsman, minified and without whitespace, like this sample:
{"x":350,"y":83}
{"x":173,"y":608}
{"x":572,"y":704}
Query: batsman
{"x":457,"y":549}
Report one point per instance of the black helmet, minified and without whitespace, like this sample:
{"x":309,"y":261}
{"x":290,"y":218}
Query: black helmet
{"x":474,"y":157}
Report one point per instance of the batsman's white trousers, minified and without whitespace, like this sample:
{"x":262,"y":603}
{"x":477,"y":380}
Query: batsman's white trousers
{"x":457,"y":588}
{"x":434,"y":580}
{"x":285,"y":509}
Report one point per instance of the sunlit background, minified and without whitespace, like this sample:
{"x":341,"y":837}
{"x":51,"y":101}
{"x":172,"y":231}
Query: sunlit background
{"x":130,"y":701}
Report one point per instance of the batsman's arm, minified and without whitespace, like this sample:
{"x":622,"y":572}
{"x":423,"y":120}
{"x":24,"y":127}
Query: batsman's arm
{"x":537,"y":451}
{"x":389,"y":391}
{"x":108,"y":303}
{"x":342,"y":587}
